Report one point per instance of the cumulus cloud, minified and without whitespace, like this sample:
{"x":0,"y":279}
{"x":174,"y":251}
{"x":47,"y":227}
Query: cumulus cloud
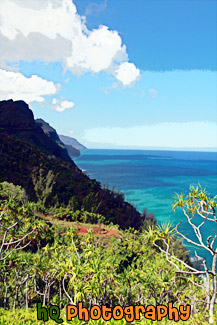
{"x":14,"y":85}
{"x":52,"y":30}
{"x":62,"y":105}
{"x":164,"y":135}
{"x":127,"y":73}
{"x":153,"y":92}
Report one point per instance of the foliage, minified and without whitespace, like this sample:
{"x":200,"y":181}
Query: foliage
{"x":56,"y":183}
{"x":80,"y":216}
{"x":196,"y":198}
{"x":10,"y":191}
{"x":43,"y":185}
{"x":39,"y":207}
{"x":51,"y":264}
{"x":198,"y":208}
{"x":59,"y":267}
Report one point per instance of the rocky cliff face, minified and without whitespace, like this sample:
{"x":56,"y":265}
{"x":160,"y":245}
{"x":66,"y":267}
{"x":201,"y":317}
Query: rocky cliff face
{"x":17,"y":120}
{"x":73,"y":152}
{"x":51,"y":132}
{"x":72,"y":141}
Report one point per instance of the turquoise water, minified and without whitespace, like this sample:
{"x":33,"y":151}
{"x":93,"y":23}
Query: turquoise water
{"x":149,"y":179}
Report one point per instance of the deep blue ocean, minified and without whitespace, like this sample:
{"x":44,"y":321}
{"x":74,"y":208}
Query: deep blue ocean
{"x":149,"y":179}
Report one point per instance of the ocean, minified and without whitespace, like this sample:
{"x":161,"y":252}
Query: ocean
{"x":149,"y":179}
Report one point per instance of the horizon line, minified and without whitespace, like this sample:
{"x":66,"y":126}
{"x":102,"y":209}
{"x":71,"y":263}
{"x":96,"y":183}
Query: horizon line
{"x":214,"y":150}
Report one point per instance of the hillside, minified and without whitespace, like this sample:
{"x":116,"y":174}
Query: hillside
{"x":72,"y":141}
{"x":67,"y":262}
{"x":51,"y":132}
{"x":61,"y":247}
{"x":29,"y":161}
{"x":17,"y":120}
{"x":72,"y":152}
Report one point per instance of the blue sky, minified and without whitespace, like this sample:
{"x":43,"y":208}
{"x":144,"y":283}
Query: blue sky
{"x":115,"y":74}
{"x":160,"y":34}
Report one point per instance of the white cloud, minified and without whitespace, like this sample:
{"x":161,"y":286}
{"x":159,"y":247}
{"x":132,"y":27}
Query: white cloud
{"x":54,"y":101}
{"x":153,"y":92}
{"x":169,"y":135}
{"x":66,"y":104}
{"x":127,"y":73}
{"x":62,"y":105}
{"x":52,"y":30}
{"x":96,"y":51}
{"x":14,"y":85}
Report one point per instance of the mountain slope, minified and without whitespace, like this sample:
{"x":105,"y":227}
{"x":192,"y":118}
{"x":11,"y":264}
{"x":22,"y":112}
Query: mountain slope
{"x":55,"y":183}
{"x":51,"y":132}
{"x":16,"y":119}
{"x":26,"y":160}
{"x":72,"y":141}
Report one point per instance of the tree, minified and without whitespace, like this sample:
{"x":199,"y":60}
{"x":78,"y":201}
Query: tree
{"x":196,"y":204}
{"x":8,"y":227}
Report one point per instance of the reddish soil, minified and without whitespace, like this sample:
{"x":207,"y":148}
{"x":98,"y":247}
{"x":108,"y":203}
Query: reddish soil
{"x":97,"y":231}
{"x":100,"y":231}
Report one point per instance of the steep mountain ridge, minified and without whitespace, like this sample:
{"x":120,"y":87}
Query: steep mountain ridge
{"x":72,"y":141}
{"x":51,"y":132}
{"x":17,"y":120}
{"x":28,"y":161}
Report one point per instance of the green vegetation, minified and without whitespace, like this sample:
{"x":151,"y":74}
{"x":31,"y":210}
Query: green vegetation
{"x":197,"y":203}
{"x":65,"y":239}
{"x":35,"y":161}
{"x":50,"y":263}
{"x":55,"y":183}
{"x":81,"y":216}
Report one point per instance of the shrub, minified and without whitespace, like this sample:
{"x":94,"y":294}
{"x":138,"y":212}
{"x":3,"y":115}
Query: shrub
{"x":9,"y":191}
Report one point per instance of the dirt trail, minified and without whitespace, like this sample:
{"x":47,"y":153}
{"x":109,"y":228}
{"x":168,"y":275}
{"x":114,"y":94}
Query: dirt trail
{"x":98,"y":230}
